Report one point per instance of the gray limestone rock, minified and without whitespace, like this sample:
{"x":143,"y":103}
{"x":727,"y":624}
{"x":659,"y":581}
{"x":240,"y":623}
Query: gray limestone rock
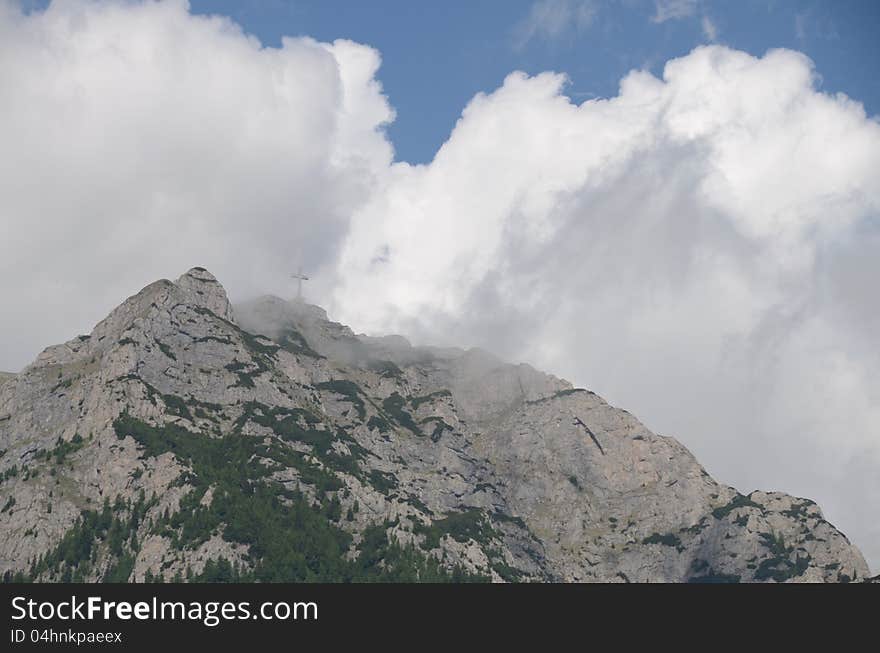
{"x":499,"y":469}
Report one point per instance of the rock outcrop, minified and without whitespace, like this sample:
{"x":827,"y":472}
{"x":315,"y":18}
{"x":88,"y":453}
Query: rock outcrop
{"x":185,"y":439}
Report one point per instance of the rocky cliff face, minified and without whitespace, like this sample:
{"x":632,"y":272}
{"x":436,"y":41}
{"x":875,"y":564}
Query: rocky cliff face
{"x":183,"y":439}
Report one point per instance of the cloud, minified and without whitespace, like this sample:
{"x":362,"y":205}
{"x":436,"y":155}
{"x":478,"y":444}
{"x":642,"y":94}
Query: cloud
{"x":810,"y":25}
{"x":139,"y":140}
{"x":665,"y":10}
{"x":710,"y":29}
{"x":673,"y":9}
{"x":800,"y":25}
{"x":700,"y":249}
{"x":550,"y":20}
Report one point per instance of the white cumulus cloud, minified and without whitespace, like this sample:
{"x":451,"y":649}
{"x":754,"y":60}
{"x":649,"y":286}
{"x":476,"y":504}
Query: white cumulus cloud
{"x":139,"y":140}
{"x":701,"y":249}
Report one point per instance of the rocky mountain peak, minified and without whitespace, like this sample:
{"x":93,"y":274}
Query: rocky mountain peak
{"x":204,"y":290}
{"x":175,"y":440}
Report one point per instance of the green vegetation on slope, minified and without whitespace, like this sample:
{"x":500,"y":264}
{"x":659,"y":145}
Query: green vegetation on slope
{"x":349,"y":390}
{"x":289,"y":538}
{"x":393,"y":405}
{"x":294,"y":342}
{"x":112,"y":531}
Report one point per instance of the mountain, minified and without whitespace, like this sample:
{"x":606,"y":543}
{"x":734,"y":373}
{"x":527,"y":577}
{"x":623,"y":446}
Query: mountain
{"x":185,"y":439}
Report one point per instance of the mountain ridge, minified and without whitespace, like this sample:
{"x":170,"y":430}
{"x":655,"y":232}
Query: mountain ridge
{"x":185,"y":438}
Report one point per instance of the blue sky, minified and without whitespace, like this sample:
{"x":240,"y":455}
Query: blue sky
{"x":437,"y":55}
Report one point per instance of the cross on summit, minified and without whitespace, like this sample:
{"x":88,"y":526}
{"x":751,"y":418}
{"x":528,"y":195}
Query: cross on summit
{"x":300,"y":277}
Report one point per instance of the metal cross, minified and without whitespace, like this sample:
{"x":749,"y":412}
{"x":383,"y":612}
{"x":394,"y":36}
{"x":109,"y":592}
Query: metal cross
{"x":300,"y":277}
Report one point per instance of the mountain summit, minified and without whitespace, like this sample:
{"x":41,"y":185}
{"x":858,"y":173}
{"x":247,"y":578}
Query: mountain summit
{"x":183,"y":439}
